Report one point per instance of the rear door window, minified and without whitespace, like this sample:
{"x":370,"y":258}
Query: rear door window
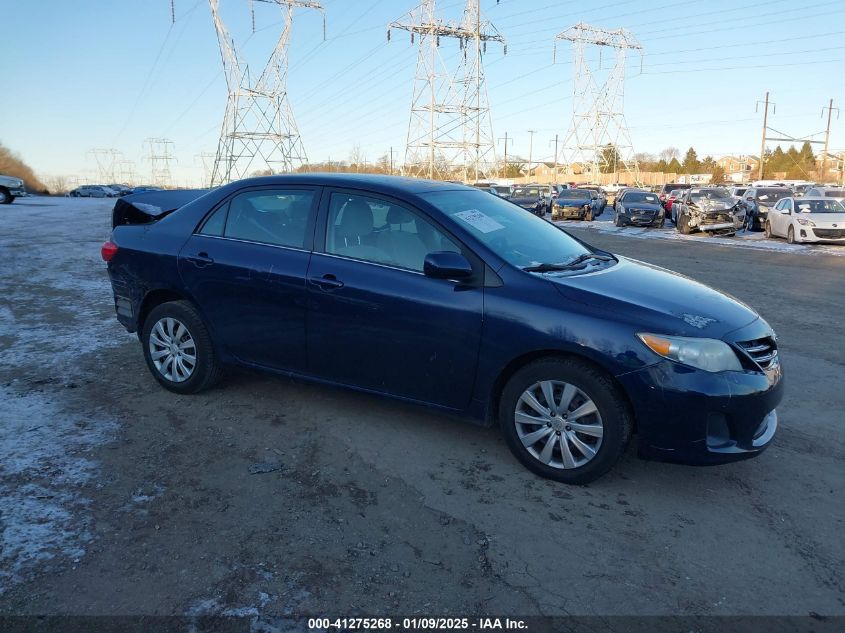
{"x":281,"y":217}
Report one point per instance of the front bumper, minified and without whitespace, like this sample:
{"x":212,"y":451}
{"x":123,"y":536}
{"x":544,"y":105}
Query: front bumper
{"x":818,"y":234}
{"x":568,"y":213}
{"x":18,"y":193}
{"x":696,"y":417}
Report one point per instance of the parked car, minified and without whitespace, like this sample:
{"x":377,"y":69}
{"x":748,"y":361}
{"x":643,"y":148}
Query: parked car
{"x":667,"y":203}
{"x":122,"y":190}
{"x":602,"y":195}
{"x":738,"y":192}
{"x":531,"y":198}
{"x":709,"y":209}
{"x":446,"y":296}
{"x":837,"y":193}
{"x":807,"y":219}
{"x":11,"y":188}
{"x":758,"y":200}
{"x":146,"y":189}
{"x":575,"y":204}
{"x":666,"y":189}
{"x":93,"y":191}
{"x":503,"y":191}
{"x":638,"y":207}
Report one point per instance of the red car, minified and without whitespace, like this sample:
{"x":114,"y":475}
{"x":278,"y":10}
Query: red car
{"x":670,"y":198}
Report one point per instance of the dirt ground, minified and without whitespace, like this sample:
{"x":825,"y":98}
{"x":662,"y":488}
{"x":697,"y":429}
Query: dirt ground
{"x":117,"y":497}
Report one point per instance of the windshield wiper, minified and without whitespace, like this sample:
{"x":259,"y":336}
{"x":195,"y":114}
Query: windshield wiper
{"x":578,"y":262}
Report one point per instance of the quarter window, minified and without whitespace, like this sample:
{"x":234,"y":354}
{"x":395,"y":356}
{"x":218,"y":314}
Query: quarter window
{"x":278,"y":217}
{"x":375,"y":230}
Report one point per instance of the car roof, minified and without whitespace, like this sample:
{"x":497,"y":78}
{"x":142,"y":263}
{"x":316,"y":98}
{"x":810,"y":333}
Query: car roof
{"x":373,"y":182}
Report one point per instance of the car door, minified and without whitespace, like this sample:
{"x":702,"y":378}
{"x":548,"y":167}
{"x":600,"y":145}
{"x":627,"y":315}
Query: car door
{"x":375,"y":321}
{"x":245,"y":267}
{"x":780,"y":218}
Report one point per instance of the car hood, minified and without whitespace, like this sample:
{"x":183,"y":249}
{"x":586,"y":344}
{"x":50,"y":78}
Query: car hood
{"x":572,"y":202}
{"x":825,"y":220}
{"x":715,"y":205}
{"x":640,"y":206}
{"x":655,"y":299}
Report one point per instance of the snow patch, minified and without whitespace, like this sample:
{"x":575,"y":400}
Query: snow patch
{"x":45,"y":464}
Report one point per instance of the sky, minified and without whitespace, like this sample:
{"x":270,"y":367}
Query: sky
{"x":111,"y":73}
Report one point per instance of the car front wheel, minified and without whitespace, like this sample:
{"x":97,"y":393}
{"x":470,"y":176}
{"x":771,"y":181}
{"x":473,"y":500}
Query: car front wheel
{"x":564,"y":420}
{"x":5,"y":198}
{"x":790,"y":235}
{"x":767,"y":231}
{"x":178,"y":348}
{"x":683,"y":224}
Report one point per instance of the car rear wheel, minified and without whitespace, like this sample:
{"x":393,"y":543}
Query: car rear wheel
{"x":178,"y":348}
{"x":564,"y":420}
{"x":790,"y":235}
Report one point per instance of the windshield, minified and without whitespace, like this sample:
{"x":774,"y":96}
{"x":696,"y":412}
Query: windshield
{"x":518,"y":237}
{"x":819,"y":206}
{"x":770,"y":196}
{"x":526,"y":192}
{"x":574,"y":194}
{"x":638,"y":196}
{"x":710,"y":194}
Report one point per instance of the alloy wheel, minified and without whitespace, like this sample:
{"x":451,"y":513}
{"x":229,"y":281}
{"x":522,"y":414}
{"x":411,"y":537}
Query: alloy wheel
{"x":558,"y":424}
{"x":173,"y":350}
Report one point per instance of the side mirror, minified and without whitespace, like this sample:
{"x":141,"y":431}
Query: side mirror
{"x":446,"y":265}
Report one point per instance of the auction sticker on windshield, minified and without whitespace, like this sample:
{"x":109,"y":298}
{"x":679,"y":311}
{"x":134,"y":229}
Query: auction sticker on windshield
{"x":478,"y":220}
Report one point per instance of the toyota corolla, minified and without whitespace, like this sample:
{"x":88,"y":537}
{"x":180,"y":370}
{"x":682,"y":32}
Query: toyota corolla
{"x":446,"y":296}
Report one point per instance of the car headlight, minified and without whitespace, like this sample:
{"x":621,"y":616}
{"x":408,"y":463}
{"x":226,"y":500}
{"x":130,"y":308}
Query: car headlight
{"x":805,"y":222}
{"x":707,"y":354}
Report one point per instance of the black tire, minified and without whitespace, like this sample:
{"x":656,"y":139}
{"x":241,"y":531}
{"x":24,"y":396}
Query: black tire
{"x":661,"y":223}
{"x":768,"y":230}
{"x":790,"y":236}
{"x":5,"y":197}
{"x":683,"y":225}
{"x":617,"y":219}
{"x":208,"y":369}
{"x":611,"y":405}
{"x":588,"y":216}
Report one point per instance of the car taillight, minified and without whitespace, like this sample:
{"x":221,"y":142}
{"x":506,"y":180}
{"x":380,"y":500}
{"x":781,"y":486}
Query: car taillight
{"x":108,"y":250}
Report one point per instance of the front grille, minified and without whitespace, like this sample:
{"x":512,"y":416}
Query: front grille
{"x":763,"y":351}
{"x":830,"y":234}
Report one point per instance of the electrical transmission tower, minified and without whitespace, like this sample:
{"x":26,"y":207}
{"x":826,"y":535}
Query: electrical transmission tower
{"x":159,"y":156}
{"x":126,"y":172}
{"x":107,"y":161}
{"x":450,"y":131}
{"x":259,"y":131}
{"x":207,"y":160}
{"x":598,"y":138}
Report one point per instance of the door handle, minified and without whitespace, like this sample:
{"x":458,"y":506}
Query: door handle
{"x":201,"y":260}
{"x":326,"y":282}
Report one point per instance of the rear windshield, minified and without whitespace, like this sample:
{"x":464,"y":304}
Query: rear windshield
{"x":835,"y":193}
{"x":525,"y":192}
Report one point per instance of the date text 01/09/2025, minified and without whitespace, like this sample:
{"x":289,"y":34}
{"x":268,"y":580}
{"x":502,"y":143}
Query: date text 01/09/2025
{"x":415,"y":623}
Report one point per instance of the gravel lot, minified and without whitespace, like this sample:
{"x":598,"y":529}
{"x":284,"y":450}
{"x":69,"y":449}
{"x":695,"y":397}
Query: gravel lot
{"x":117,"y":497}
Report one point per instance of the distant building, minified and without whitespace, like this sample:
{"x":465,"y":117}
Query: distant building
{"x":739,"y":168}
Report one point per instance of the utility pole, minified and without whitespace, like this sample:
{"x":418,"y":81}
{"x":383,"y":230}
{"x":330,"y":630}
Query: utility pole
{"x":555,"y":142}
{"x":391,"y":160}
{"x":530,"y":150}
{"x":830,"y":110}
{"x":765,"y":128}
{"x":505,"y":139}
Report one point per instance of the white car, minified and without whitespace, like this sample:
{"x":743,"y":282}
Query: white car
{"x":807,"y":219}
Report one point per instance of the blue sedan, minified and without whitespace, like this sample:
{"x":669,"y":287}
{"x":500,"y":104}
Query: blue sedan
{"x":444,"y":295}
